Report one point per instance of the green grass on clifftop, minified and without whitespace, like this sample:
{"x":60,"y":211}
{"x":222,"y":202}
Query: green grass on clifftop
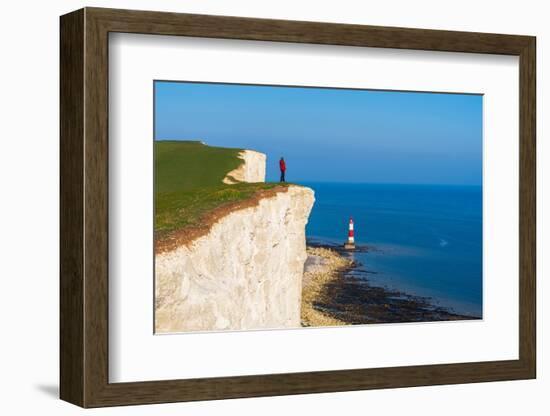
{"x":188,"y":183}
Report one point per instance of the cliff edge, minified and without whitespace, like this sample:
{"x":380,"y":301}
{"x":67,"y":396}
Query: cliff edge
{"x":242,"y":268}
{"x":246,"y":273}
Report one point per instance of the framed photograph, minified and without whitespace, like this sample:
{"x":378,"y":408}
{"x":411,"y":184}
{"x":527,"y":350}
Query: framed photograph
{"x":255,"y":207}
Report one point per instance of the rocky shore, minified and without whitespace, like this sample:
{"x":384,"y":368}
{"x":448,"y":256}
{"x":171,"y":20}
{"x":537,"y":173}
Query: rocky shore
{"x":336,"y":291}
{"x":322,"y":267}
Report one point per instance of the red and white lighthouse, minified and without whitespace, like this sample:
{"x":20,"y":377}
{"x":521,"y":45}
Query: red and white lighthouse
{"x":350,"y":244}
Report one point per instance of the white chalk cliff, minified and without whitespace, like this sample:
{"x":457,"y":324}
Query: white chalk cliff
{"x":251,"y":170}
{"x":246,"y":273}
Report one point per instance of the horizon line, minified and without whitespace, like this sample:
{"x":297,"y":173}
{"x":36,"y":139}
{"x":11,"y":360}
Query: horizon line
{"x":385,"y":183}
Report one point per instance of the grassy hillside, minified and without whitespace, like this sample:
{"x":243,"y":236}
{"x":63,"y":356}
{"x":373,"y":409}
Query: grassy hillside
{"x":188,"y":183}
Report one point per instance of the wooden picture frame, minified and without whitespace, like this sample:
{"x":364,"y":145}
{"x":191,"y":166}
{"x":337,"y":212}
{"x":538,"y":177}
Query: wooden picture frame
{"x":84,"y":207}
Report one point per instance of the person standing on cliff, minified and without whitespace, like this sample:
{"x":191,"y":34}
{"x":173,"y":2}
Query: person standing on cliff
{"x":282,"y":166}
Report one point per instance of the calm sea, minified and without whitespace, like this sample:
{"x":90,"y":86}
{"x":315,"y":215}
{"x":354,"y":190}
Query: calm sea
{"x":424,"y":240}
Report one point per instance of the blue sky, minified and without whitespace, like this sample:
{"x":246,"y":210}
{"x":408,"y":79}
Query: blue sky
{"x":332,"y":135}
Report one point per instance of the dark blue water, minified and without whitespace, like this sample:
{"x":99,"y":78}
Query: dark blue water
{"x":424,"y":240}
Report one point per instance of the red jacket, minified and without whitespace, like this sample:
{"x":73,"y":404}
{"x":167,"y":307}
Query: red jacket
{"x":282,"y":165}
